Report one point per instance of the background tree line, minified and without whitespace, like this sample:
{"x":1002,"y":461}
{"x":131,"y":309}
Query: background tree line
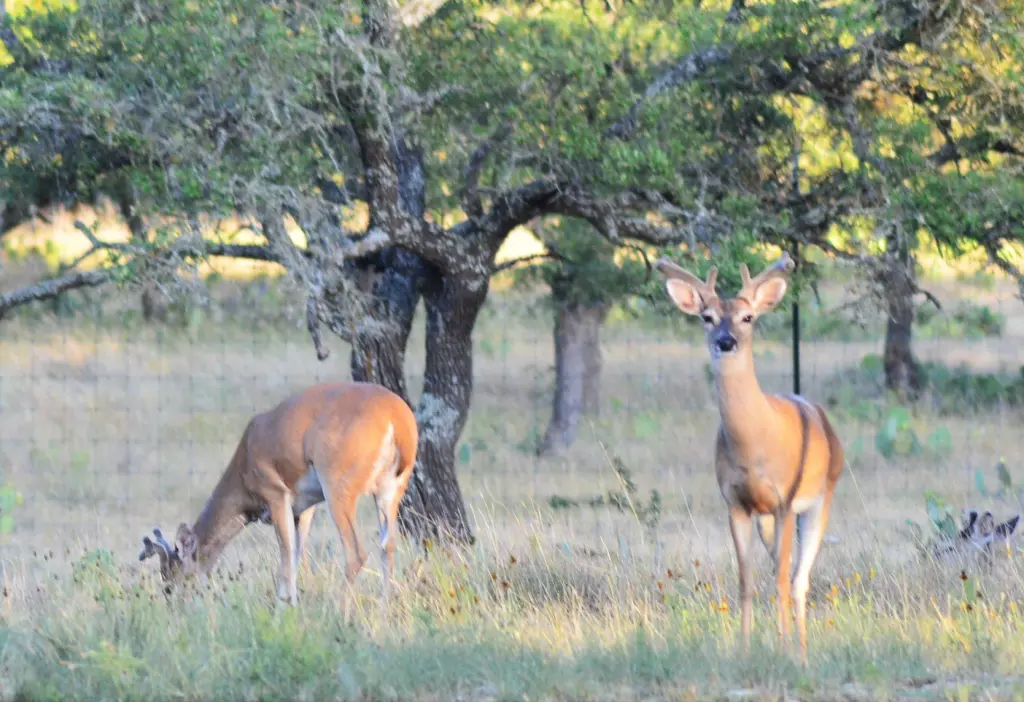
{"x":407,"y":140}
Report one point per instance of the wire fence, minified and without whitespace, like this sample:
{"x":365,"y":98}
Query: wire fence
{"x":109,"y":425}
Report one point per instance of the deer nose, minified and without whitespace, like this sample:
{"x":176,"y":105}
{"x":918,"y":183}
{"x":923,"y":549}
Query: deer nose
{"x":726,"y":344}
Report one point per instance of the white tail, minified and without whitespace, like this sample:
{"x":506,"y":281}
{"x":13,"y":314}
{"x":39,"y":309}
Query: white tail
{"x":776,"y":457}
{"x":330,"y":443}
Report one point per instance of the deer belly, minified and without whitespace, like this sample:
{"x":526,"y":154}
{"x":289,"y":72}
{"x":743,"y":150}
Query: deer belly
{"x":754,"y":495}
{"x":308,"y":491}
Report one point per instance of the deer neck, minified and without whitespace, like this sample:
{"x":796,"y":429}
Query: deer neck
{"x":222,"y":518}
{"x":747,"y":417}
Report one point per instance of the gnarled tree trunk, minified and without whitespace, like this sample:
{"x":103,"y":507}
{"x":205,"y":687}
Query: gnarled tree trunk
{"x":433,"y":505}
{"x":379,"y":356}
{"x":577,"y":370}
{"x":903,"y":374}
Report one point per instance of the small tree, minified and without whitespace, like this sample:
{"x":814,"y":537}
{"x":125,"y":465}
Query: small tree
{"x":586,"y":275}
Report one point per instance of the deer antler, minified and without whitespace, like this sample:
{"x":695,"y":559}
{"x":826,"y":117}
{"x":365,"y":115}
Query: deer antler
{"x":171,"y":551}
{"x":706,"y":289}
{"x":780,"y":268}
{"x":161,"y":549}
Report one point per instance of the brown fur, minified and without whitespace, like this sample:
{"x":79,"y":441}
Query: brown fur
{"x":762,"y":455}
{"x":331,"y":442}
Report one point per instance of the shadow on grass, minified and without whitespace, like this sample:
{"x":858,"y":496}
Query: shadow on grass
{"x":135,"y":644}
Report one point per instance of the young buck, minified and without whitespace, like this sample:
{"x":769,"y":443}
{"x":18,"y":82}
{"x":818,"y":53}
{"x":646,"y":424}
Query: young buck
{"x":777,"y":458}
{"x":332,"y":443}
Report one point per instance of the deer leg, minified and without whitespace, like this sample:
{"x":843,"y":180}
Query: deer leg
{"x":387,"y":519}
{"x":766,"y":530}
{"x":283,"y":517}
{"x":303,"y":523}
{"x":341,"y":503}
{"x":742,"y":528}
{"x":814,"y":521}
{"x":783,"y":552}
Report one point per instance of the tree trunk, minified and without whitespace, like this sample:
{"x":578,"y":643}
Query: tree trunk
{"x":433,"y":506}
{"x":577,"y":371}
{"x":593,"y":361}
{"x":154,"y":304}
{"x":903,"y":374}
{"x":380,"y":357}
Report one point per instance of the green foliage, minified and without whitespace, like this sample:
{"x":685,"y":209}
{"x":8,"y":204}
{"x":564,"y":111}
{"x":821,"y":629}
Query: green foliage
{"x":958,"y":390}
{"x":955,"y":391}
{"x":1006,"y":487}
{"x":968,"y":320}
{"x":96,"y":572}
{"x":10,"y":499}
{"x":587,"y":269}
{"x":940,"y":516}
{"x":896,"y":435}
{"x":625,"y":499}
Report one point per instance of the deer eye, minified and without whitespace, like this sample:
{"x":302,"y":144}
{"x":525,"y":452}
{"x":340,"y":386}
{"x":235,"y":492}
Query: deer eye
{"x":747,"y":318}
{"x":708,"y":319}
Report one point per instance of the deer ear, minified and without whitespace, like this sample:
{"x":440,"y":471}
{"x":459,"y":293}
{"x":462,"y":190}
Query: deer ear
{"x":1007,"y":528}
{"x":186,"y":542}
{"x":970,"y":520}
{"x":769,"y":294}
{"x":685,"y":296}
{"x":148,"y":548}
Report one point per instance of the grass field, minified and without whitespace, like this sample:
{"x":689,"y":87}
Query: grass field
{"x":109,"y":427}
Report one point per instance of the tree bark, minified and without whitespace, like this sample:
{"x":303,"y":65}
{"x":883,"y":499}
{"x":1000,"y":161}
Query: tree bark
{"x":577,"y":371}
{"x":379,"y":357}
{"x":154,"y":304}
{"x":433,"y":505}
{"x":903,"y":374}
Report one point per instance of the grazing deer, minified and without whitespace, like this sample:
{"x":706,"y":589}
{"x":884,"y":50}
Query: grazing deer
{"x":776,"y":456}
{"x":332,"y":442}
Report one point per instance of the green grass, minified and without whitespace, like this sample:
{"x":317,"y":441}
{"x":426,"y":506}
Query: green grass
{"x":545,"y":627}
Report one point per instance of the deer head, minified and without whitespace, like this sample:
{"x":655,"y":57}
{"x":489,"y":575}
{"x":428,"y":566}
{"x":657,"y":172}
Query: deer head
{"x":978,"y":534}
{"x":728,"y":323}
{"x":176,"y":560}
{"x":982,"y":531}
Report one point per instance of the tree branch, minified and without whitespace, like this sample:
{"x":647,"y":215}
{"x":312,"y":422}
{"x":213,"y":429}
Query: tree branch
{"x":252,"y":252}
{"x":512,"y":263}
{"x":976,"y":146}
{"x":470,"y":195}
{"x":610,"y":219}
{"x":683,"y":71}
{"x":49,"y":289}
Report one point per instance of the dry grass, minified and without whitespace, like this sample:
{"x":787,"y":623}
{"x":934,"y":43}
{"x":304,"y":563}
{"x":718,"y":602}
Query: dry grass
{"x":108,"y":432}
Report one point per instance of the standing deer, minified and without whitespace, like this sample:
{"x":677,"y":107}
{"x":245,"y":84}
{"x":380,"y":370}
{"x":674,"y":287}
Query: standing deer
{"x":331,"y":442}
{"x":777,"y":458}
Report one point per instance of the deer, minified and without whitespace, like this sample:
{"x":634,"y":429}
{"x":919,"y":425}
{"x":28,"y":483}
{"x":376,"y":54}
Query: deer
{"x":777,"y":457}
{"x":329,"y":443}
{"x":978,"y":535}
